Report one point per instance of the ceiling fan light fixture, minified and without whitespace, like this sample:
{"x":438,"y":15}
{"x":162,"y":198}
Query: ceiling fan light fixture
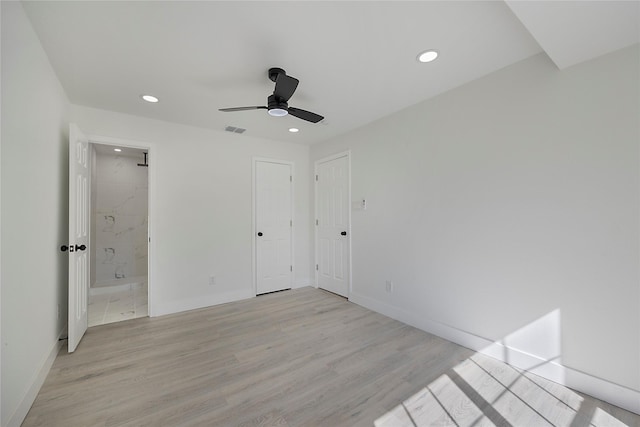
{"x":277,"y":105}
{"x":278,"y":112}
{"x":427,"y":56}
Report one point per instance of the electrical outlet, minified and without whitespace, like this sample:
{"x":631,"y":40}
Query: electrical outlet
{"x":389,"y":286}
{"x":212,"y":280}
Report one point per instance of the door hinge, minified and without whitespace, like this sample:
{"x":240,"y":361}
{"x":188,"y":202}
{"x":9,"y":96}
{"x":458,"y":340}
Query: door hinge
{"x":316,"y":222}
{"x":291,"y":268}
{"x":290,"y":178}
{"x":316,"y":177}
{"x":290,"y":223}
{"x":316,"y":267}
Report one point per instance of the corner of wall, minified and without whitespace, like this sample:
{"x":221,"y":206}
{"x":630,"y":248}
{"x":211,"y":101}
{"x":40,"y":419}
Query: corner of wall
{"x":37,"y":381}
{"x":31,"y":339}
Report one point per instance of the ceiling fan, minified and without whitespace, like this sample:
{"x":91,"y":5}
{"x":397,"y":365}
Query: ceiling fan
{"x":277,"y":103}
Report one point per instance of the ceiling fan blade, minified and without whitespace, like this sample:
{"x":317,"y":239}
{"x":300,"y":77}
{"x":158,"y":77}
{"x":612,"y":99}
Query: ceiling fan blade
{"x":285,"y":86}
{"x":305,"y":115}
{"x":227,"y":110}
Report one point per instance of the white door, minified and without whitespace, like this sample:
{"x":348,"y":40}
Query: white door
{"x":332,"y":210}
{"x":273,"y":204}
{"x":79,"y":211}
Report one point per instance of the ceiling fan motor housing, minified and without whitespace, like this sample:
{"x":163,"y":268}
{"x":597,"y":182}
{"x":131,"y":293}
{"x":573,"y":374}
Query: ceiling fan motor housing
{"x":273,"y":73}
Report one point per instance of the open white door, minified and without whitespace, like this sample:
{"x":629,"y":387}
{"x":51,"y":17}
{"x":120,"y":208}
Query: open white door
{"x":79,"y":211}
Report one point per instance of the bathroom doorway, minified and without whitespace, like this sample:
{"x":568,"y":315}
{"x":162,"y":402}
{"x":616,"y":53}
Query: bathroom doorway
{"x":119,"y":256}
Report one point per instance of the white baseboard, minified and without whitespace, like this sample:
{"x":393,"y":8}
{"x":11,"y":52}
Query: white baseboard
{"x":202,"y":302}
{"x":599,"y":388}
{"x":196,"y":303}
{"x":302,"y":283}
{"x":36,"y":383}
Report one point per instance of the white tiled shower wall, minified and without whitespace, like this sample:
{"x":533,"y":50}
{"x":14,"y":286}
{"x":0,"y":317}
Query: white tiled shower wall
{"x":121,"y":209}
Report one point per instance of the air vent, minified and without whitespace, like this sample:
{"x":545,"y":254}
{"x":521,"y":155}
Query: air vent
{"x":234,"y":129}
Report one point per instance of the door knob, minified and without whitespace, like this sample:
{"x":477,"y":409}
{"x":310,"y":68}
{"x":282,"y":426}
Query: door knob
{"x":72,"y":248}
{"x":260,"y":233}
{"x":344,"y":233}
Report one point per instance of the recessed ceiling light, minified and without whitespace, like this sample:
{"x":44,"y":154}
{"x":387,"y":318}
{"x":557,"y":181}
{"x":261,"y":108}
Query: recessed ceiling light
{"x":117,"y":149}
{"x":428,"y":56}
{"x":149,"y":98}
{"x":294,"y":130}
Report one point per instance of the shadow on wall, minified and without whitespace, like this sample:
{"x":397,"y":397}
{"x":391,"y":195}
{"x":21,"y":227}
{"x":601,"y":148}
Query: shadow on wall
{"x":483,"y":391}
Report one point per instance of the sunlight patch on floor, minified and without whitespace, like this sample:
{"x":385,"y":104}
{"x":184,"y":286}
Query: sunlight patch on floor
{"x":604,"y":419}
{"x":482,"y":391}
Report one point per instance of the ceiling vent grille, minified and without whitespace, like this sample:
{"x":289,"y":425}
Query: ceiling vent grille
{"x":234,"y":129}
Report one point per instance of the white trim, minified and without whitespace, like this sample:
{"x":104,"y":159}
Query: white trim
{"x":254,"y":264}
{"x":150,"y":148}
{"x":36,"y":383}
{"x":121,"y":142}
{"x":179,"y":306}
{"x":1,"y":229}
{"x":599,"y":388}
{"x":254,"y":261}
{"x":302,"y":283}
{"x":335,"y":156}
{"x":346,"y":153}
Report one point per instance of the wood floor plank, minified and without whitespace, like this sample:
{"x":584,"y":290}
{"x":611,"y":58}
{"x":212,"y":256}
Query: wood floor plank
{"x":303,"y":357}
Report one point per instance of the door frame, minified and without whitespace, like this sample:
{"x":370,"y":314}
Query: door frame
{"x":149,"y":147}
{"x":254,"y":261}
{"x":335,"y":156}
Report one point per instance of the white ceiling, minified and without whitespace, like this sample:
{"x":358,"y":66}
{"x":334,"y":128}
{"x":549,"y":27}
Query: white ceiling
{"x":355,"y":60}
{"x":571,"y":32}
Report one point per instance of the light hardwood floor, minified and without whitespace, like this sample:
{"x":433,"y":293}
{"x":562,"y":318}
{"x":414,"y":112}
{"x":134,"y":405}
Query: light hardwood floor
{"x":296,"y":358}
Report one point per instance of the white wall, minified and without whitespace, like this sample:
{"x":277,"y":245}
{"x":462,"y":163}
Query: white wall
{"x":200,"y":208}
{"x":34,"y":213}
{"x":120,"y":241}
{"x":510,"y":201}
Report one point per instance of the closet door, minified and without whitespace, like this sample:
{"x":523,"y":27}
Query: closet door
{"x":273,"y":214}
{"x":332,"y":225}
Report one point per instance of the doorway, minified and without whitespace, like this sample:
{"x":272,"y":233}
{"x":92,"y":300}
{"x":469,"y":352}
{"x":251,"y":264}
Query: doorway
{"x":119,"y":246}
{"x":333,"y":224}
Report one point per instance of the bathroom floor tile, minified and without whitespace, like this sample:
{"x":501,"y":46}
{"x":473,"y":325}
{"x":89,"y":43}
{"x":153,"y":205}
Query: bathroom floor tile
{"x":109,"y":307}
